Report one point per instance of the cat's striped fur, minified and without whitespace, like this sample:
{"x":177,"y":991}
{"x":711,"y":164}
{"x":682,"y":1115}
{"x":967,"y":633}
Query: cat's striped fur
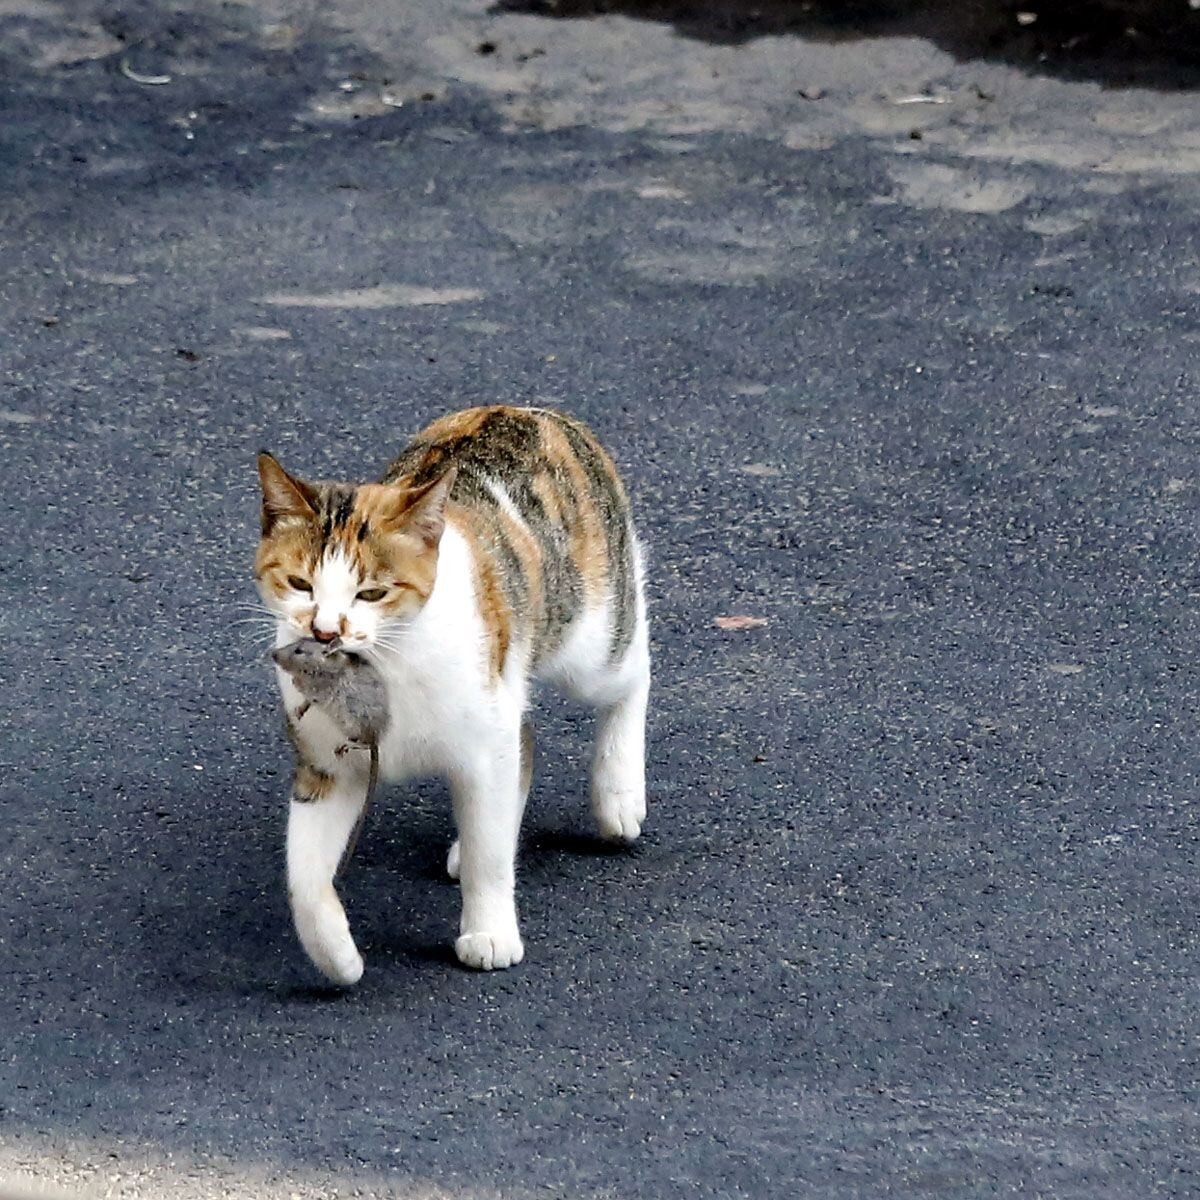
{"x":497,"y":547}
{"x":547,"y":516}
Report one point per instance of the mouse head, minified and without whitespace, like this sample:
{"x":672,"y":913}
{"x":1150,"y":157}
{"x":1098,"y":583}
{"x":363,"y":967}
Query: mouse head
{"x":310,"y":654}
{"x":317,"y":671}
{"x":339,"y":561}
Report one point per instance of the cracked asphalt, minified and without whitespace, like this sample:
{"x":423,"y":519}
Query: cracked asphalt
{"x":895,"y":341}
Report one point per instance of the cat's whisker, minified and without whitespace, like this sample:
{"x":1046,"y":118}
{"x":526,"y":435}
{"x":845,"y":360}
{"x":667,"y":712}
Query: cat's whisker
{"x":393,"y":635}
{"x":260,"y":643}
{"x":377,"y":652}
{"x":390,"y":646}
{"x":387,"y":635}
{"x":372,"y":655}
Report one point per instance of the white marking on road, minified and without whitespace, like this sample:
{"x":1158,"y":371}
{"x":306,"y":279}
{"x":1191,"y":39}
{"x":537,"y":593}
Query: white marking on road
{"x":385,"y":295}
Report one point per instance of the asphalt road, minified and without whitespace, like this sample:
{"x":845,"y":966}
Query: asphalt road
{"x":915,"y":911}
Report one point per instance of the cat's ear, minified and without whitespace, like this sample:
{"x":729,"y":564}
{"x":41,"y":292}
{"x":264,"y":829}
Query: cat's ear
{"x":425,"y":510}
{"x":283,"y":495}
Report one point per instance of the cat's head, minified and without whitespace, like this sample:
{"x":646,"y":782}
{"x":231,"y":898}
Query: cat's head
{"x":339,"y":560}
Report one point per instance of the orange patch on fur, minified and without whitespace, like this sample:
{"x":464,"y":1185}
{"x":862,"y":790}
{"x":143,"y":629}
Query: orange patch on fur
{"x":546,"y":491}
{"x":290,"y":548}
{"x":376,"y":541}
{"x":489,"y":594}
{"x":456,"y":425}
{"x":311,"y":784}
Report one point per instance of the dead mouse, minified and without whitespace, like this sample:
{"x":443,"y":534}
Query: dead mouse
{"x":349,"y":690}
{"x":348,"y":687}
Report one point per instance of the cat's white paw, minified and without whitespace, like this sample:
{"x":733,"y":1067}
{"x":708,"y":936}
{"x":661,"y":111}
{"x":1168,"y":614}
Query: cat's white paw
{"x":490,"y":951}
{"x":454,"y":860}
{"x":346,"y":971}
{"x":619,"y":814}
{"x":325,"y":935}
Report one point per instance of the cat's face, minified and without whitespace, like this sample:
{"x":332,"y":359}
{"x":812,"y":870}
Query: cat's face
{"x":342,"y":561}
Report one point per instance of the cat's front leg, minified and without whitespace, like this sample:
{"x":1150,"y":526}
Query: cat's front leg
{"x":324,"y":811}
{"x":488,"y":803}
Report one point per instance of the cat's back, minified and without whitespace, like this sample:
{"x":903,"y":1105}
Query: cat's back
{"x":546,"y":516}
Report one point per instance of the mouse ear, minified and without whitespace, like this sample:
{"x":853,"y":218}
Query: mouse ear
{"x":284,"y":497}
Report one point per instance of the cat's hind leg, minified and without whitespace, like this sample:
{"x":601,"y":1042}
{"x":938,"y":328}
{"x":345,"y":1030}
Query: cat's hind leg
{"x":618,"y":690}
{"x":619,"y":759}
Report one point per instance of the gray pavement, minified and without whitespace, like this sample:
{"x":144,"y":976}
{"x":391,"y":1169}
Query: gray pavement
{"x":904,"y":365}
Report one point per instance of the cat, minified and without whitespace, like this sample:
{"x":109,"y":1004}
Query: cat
{"x":497,"y":549}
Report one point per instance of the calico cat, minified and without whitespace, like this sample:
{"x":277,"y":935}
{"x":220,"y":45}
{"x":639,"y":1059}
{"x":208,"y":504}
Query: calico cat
{"x":498,"y":548}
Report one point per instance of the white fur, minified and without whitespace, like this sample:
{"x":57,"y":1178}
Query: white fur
{"x":334,"y":586}
{"x":506,"y":502}
{"x":449,"y":718}
{"x":317,"y":833}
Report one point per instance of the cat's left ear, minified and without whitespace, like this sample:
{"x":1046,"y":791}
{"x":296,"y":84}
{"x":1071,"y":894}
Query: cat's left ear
{"x":283,"y":495}
{"x":425,"y":512}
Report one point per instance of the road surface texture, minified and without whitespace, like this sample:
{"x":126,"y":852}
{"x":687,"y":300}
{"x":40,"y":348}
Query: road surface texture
{"x":892,"y":319}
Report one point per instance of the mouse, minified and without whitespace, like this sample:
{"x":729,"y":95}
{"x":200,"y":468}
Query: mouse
{"x":350,"y":691}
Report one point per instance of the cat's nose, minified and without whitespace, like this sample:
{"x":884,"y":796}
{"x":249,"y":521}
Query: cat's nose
{"x":324,"y":635}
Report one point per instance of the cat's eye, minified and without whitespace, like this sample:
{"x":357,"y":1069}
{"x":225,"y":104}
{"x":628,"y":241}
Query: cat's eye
{"x":300,"y":585}
{"x":371,"y":595}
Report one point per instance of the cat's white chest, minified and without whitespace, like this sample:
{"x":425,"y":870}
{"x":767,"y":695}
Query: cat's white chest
{"x":422,"y":728}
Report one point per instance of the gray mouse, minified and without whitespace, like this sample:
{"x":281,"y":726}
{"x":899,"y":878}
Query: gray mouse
{"x":350,"y":690}
{"x":346,"y":685}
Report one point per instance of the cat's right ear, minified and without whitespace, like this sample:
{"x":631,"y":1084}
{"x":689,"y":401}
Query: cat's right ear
{"x":425,"y":514}
{"x":283,"y":496}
